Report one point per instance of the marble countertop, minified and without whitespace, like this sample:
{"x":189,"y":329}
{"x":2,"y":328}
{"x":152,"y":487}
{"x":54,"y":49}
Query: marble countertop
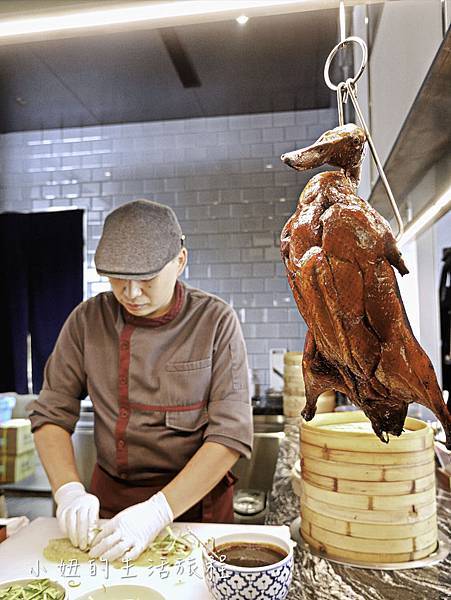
{"x":315,"y":578}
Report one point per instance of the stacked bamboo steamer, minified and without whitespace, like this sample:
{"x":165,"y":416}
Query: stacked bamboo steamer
{"x":363,"y":500}
{"x":294,"y":390}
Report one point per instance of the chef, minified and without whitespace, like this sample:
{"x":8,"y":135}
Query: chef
{"x":165,"y":367}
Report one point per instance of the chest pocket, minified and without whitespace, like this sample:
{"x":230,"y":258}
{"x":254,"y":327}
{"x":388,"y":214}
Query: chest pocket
{"x":187,"y":388}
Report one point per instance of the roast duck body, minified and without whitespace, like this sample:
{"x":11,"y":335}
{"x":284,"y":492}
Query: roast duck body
{"x":339,"y":255}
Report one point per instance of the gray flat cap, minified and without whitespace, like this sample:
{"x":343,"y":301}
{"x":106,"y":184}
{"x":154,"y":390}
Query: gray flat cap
{"x":138,"y":240}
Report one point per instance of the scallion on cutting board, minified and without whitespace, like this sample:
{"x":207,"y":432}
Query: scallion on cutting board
{"x":37,"y":589}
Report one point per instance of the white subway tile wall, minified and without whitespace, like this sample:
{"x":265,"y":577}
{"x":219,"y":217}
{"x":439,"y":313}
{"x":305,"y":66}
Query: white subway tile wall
{"x":222,"y":176}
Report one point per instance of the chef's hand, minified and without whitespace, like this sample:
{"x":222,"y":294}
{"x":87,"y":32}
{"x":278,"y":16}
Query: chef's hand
{"x":132,"y":530}
{"x":77,"y":513}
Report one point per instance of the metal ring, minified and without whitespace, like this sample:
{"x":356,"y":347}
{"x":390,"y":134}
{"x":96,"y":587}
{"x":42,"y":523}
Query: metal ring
{"x":334,"y":51}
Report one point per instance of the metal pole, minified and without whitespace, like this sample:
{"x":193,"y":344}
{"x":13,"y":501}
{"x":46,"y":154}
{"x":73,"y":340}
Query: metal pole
{"x":342,"y":19}
{"x":444,"y":17}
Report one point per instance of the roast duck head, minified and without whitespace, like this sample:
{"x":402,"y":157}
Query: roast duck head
{"x":341,"y":147}
{"x":340,"y":256}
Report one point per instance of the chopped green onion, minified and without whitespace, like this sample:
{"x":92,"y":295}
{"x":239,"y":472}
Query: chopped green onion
{"x":37,"y":589}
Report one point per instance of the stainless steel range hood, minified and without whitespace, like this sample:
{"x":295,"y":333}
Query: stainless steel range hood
{"x":423,"y":143}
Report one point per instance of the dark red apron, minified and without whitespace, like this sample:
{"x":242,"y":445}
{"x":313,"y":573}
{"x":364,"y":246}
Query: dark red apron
{"x":115,"y":495}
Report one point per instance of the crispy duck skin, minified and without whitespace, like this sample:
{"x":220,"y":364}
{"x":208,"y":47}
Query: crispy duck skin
{"x":339,"y":255}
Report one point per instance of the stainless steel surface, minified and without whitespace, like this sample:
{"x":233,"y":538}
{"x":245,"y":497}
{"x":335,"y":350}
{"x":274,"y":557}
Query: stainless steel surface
{"x":440,"y":554}
{"x":84,"y":447}
{"x":268,"y":423}
{"x":257,"y":473}
{"x":249,"y":502}
{"x":424,"y":141}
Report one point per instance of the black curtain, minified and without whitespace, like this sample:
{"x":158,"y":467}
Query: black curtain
{"x":41,"y":270}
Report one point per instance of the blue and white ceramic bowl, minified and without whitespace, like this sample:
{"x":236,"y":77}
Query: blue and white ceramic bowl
{"x":228,"y":582}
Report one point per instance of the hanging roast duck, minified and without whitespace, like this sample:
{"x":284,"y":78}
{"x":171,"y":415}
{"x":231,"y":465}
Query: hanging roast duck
{"x":339,"y":255}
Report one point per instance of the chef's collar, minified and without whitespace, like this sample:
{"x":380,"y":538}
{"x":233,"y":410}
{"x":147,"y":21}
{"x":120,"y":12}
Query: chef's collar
{"x":177,"y":304}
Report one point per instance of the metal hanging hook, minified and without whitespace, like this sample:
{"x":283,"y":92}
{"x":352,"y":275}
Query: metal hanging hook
{"x":340,"y":101}
{"x":348,"y":88}
{"x":345,"y":42}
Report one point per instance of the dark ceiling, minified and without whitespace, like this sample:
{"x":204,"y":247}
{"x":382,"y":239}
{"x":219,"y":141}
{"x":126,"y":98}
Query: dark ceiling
{"x":271,"y":64}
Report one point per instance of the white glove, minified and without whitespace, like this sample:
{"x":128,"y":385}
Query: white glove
{"x":77,"y":513}
{"x":132,"y":530}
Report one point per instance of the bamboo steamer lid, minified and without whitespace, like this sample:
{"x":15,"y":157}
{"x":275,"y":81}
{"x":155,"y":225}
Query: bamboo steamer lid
{"x":364,"y":500}
{"x":352,"y":431}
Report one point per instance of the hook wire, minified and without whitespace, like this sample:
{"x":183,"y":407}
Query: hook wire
{"x":351,"y":91}
{"x":340,"y":101}
{"x":348,"y":88}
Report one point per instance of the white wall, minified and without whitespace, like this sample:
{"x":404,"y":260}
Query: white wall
{"x":407,"y":40}
{"x":224,"y":179}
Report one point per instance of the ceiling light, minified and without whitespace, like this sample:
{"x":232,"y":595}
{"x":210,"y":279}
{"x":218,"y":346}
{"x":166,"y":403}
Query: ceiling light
{"x":242,"y":19}
{"x":148,"y":12}
{"x":427,"y":217}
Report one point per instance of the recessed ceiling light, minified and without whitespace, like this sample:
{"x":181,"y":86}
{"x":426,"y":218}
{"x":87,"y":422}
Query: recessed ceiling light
{"x":242,"y":19}
{"x":145,"y":12}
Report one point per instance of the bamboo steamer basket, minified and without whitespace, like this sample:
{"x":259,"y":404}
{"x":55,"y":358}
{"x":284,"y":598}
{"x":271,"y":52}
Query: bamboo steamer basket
{"x":368,"y":557}
{"x":354,"y":515}
{"x":368,"y":458}
{"x":292,"y":358}
{"x":294,"y":389}
{"x":294,"y":404}
{"x":369,"y":530}
{"x":363,"y":500}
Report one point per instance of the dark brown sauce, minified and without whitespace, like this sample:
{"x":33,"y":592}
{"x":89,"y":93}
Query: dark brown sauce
{"x":243,"y":554}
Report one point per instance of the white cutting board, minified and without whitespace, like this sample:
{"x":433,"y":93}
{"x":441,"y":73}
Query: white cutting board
{"x":19,"y":556}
